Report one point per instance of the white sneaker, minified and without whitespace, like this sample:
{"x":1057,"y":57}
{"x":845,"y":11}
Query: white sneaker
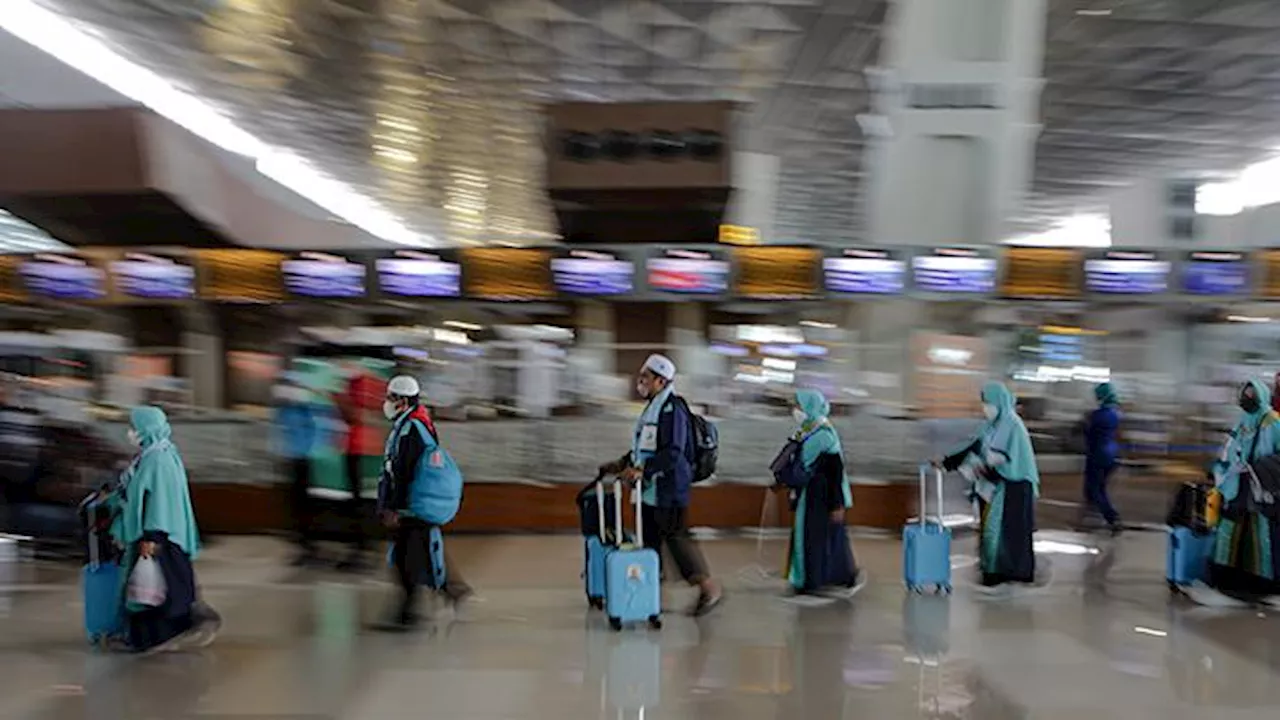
{"x":1202,"y":594}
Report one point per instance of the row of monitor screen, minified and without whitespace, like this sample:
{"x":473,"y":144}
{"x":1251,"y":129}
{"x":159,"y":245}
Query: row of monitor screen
{"x":540,"y":274}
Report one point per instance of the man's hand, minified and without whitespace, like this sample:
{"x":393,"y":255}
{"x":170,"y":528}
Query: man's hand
{"x":390,"y":519}
{"x":630,"y":475}
{"x":146,"y":549}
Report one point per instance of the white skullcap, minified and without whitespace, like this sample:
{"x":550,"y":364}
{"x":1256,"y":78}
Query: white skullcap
{"x":661,"y":366}
{"x":403,"y":386}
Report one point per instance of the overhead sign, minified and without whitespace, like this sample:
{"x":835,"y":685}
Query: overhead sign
{"x":778,"y":273}
{"x":1215,"y":273}
{"x":865,"y":270}
{"x":739,"y":235}
{"x":507,"y":274}
{"x":1041,"y":273}
{"x":689,"y":272}
{"x":1270,"y":286}
{"x":1127,"y":272}
{"x":954,"y":270}
{"x":63,"y":277}
{"x":153,"y":276}
{"x":240,"y":276}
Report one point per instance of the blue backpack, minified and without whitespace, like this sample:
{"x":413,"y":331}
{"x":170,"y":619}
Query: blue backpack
{"x":436,"y":492}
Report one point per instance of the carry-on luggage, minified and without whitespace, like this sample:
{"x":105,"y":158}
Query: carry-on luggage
{"x":100,"y":579}
{"x":1188,"y":556}
{"x":926,"y":545}
{"x":633,"y":585}
{"x":596,"y":545}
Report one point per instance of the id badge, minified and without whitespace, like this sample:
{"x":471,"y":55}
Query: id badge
{"x":649,"y":438}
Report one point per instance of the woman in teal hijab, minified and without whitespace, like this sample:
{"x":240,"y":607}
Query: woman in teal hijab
{"x":154,"y":520}
{"x":1245,"y":565}
{"x":820,"y":556}
{"x":1006,"y":485}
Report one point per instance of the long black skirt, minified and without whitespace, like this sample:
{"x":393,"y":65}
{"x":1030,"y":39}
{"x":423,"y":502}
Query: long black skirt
{"x":155,"y":626}
{"x":1006,"y":549}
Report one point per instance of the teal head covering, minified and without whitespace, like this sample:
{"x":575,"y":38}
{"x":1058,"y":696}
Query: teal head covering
{"x":1006,"y":435}
{"x":1106,"y":395}
{"x":154,"y":495}
{"x":1253,"y":420}
{"x":816,"y":435}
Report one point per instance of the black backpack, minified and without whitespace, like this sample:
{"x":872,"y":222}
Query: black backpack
{"x":706,"y":443}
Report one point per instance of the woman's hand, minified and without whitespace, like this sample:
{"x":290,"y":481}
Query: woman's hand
{"x":837,"y":516}
{"x":146,"y":549}
{"x":630,"y":475}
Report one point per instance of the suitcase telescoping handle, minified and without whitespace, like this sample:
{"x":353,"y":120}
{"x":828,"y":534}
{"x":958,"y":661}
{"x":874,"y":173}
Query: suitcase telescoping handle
{"x":924,"y":502}
{"x":617,"y":514}
{"x":600,"y":528}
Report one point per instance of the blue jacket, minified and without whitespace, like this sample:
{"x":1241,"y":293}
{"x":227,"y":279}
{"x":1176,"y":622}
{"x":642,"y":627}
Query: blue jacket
{"x":298,"y":428}
{"x":671,"y":466}
{"x":1101,"y":444}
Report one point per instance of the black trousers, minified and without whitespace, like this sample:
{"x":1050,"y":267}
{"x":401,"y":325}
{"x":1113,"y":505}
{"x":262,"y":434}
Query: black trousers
{"x":299,"y":472}
{"x":409,"y":555}
{"x":668,"y":527}
{"x":354,"y":508}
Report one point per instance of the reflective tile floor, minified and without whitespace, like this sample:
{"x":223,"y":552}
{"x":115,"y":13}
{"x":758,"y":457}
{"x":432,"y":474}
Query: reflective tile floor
{"x":1103,"y":640}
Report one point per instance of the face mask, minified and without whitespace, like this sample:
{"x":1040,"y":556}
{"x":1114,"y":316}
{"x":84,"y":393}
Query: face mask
{"x":1249,"y":404}
{"x":390,"y":410}
{"x":134,"y":440}
{"x":641,"y":391}
{"x":798,"y":415}
{"x":991,"y":411}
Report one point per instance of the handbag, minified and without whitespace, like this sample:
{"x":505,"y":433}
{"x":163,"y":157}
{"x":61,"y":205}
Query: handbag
{"x":785,"y":468}
{"x":146,"y":584}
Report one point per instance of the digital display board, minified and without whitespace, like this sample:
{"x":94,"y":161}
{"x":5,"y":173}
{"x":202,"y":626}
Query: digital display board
{"x":777,"y":273}
{"x":591,"y":272}
{"x":507,"y":274}
{"x":323,"y":275}
{"x":865,"y":271}
{"x":1041,"y":273}
{"x":63,"y":277}
{"x":954,"y":270}
{"x":689,"y":272}
{"x":419,"y":274}
{"x":1127,"y":273}
{"x":12,"y":289}
{"x":1215,"y":273}
{"x":148,"y":276}
{"x":239,"y":276}
{"x":1270,"y":286}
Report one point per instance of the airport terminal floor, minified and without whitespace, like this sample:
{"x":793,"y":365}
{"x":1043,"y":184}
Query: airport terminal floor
{"x":1103,"y":639}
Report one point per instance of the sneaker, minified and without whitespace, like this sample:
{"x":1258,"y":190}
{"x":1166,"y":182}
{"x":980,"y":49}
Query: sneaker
{"x":848,"y":591}
{"x":707,"y":603}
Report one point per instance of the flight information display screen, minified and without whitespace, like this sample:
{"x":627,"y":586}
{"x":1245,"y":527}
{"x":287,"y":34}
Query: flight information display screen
{"x":1041,"y":273}
{"x":870,"y":272}
{"x":323,"y":275}
{"x":1215,"y":273}
{"x":1127,"y":273}
{"x":954,"y":270}
{"x":64,"y":277}
{"x":778,"y":273}
{"x":413,"y":273}
{"x":239,"y":276}
{"x":689,"y":272}
{"x":512,"y":274}
{"x":148,"y":276}
{"x":592,"y":272}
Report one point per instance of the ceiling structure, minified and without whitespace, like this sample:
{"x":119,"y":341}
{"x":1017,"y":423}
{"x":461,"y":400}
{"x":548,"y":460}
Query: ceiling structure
{"x":432,"y":106}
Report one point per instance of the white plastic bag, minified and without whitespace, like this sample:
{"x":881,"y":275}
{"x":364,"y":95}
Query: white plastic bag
{"x":146,"y":584}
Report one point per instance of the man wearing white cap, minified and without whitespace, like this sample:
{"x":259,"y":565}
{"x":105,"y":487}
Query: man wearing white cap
{"x":662,"y":461}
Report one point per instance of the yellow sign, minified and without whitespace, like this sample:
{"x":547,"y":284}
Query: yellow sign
{"x":1041,"y":272}
{"x":778,"y":273}
{"x":739,"y":235}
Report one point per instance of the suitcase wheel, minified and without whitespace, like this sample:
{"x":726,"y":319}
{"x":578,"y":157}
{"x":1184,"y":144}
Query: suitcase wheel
{"x":615,"y":624}
{"x":944,"y":589}
{"x":655,"y":622}
{"x":595,"y":603}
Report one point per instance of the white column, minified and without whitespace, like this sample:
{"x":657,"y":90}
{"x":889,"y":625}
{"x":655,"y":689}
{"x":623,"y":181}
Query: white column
{"x":206,"y":356}
{"x":755,"y":193}
{"x":690,"y":349}
{"x":957,"y":118}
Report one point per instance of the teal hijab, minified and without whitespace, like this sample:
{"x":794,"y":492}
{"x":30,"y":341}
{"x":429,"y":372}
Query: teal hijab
{"x":1255,"y":435}
{"x":154,"y":487}
{"x":1106,"y":395}
{"x":816,"y":435}
{"x":1006,"y":434}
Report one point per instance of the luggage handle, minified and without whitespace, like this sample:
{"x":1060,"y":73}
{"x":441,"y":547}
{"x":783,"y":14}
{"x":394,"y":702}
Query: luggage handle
{"x":924,"y":502}
{"x":617,"y":515}
{"x":600,"y":524}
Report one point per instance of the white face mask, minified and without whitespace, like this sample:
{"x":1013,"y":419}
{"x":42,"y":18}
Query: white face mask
{"x":390,"y":409}
{"x":991,"y":411}
{"x":798,"y":415}
{"x":641,"y":391}
{"x":134,"y":440}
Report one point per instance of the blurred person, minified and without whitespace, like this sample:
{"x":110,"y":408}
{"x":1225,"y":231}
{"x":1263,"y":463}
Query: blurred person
{"x":819,"y":556}
{"x":404,"y":452}
{"x":299,"y":426}
{"x":154,"y":520}
{"x":361,"y":397}
{"x":1244,"y":565}
{"x":1102,"y":453}
{"x":661,"y":462}
{"x":1006,"y":484}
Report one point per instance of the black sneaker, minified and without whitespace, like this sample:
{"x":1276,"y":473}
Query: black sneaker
{"x":707,"y":603}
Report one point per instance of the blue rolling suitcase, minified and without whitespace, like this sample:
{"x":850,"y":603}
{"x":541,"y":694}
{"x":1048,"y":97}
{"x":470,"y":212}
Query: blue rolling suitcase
{"x":596,"y":547}
{"x":633,"y":585}
{"x":1188,"y":556}
{"x":926,"y":545}
{"x":103,"y":595}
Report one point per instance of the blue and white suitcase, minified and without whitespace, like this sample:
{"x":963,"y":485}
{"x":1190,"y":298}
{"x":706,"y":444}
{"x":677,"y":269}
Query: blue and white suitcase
{"x":596,"y":548}
{"x":926,"y":545}
{"x":633,"y":583}
{"x":103,"y":594}
{"x":1188,"y":556}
